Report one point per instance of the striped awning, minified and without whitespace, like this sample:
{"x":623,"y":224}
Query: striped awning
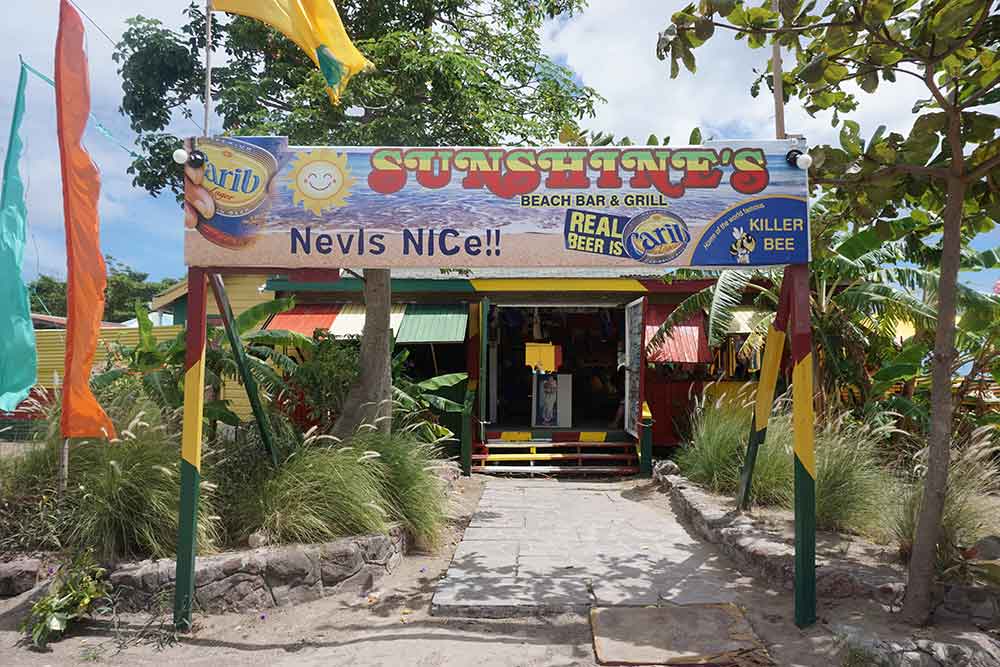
{"x":686,"y":343}
{"x":305,"y":319}
{"x":350,"y":320}
{"x":428,"y":323}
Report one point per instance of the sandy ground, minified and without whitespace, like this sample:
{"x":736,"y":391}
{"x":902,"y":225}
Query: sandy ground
{"x":394,"y":627}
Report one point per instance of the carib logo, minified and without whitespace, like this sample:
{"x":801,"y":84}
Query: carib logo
{"x":237,"y":174}
{"x":655,"y":237}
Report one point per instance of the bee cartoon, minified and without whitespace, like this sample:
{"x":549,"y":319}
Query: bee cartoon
{"x":742,"y":246}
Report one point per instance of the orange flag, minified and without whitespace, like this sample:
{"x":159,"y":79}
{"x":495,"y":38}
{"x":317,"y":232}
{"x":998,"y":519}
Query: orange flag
{"x":82,"y":416}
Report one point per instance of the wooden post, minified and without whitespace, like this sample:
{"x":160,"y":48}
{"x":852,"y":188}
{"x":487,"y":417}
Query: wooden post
{"x":63,"y":467}
{"x":466,"y":434}
{"x":194,"y":404}
{"x":249,"y":383}
{"x":803,"y":423}
{"x":646,"y":442}
{"x":774,"y":348}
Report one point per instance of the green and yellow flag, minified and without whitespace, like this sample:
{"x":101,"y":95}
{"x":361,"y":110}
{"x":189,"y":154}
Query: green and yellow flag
{"x":316,"y":27}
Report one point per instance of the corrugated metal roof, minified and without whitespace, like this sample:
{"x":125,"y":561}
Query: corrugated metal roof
{"x":350,"y":320}
{"x":686,"y":343}
{"x":50,"y":345}
{"x":305,"y":319}
{"x":426,"y":323}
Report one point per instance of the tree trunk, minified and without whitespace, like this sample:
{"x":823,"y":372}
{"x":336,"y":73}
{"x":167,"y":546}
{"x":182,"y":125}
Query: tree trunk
{"x":917,"y":605}
{"x":370,"y":400}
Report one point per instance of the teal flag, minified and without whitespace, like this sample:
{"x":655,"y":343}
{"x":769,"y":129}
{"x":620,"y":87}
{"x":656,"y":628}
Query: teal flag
{"x":18,"y":361}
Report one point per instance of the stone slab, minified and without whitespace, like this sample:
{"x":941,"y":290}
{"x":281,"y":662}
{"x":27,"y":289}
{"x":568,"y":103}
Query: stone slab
{"x":672,"y":635}
{"x":505,"y":597}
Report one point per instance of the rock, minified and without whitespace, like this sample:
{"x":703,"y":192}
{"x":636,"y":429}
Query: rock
{"x":376,"y":549}
{"x":987,"y":548}
{"x":339,"y":561}
{"x":663,"y":469}
{"x":835,"y":584}
{"x":19,"y":576}
{"x":258,"y":539}
{"x":269,"y":576}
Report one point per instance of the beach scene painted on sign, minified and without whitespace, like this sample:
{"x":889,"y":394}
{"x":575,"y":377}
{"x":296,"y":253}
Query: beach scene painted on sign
{"x":258,"y":201}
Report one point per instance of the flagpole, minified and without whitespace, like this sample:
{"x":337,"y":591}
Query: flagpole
{"x":208,"y":65}
{"x":778,"y":83}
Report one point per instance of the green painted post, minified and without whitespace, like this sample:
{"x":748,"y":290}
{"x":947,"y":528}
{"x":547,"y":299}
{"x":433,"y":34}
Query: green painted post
{"x":646,"y":444}
{"x":466,"y":435}
{"x":239,"y":354}
{"x":746,"y":476}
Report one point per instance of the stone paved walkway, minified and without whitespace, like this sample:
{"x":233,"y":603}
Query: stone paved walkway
{"x":544,"y":546}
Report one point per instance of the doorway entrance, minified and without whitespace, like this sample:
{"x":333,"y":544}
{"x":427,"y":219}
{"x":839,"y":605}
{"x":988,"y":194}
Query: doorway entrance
{"x":557,"y":367}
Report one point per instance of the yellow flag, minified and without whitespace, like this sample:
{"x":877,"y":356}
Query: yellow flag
{"x":316,"y":27}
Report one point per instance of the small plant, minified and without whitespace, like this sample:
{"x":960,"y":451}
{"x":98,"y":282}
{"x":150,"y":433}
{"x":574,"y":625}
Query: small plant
{"x":78,"y":587}
{"x":324,"y":379}
{"x":714,"y":457}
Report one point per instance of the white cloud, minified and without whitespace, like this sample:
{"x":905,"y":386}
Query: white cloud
{"x":611,"y":46}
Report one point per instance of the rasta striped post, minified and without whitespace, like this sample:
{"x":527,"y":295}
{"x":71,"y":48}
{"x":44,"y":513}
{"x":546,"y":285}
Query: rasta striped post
{"x":774,"y":348}
{"x":805,"y":454}
{"x":792,"y":321}
{"x":194,"y":404}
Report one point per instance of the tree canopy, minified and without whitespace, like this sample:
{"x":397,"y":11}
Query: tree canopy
{"x":447,"y":72}
{"x":125,"y":288}
{"x":938,"y":182}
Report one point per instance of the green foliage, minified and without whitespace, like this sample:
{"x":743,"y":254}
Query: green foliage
{"x":126,"y":287}
{"x":416,"y":406}
{"x":413,"y":492}
{"x":968,"y":512}
{"x":452,"y":73}
{"x":319,"y":492}
{"x":234,"y":466}
{"x":121,"y":498}
{"x":326,"y":376}
{"x":78,"y":586}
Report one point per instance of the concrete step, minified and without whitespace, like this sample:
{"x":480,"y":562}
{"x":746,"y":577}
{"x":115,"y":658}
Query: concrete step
{"x":555,"y":456}
{"x":539,"y":444}
{"x":557,"y":469}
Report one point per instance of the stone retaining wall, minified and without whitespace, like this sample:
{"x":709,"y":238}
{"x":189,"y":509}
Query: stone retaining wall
{"x":757,"y":552}
{"x":266,"y":577}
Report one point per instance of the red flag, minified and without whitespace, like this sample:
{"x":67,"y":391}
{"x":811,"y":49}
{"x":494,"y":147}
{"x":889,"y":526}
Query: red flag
{"x":82,"y":416}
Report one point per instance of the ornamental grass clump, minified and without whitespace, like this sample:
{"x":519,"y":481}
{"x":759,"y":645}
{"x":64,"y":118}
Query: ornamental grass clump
{"x":123,"y":497}
{"x":973,"y":475}
{"x":414,"y":494}
{"x":717,"y":448}
{"x":852,"y":488}
{"x":318,"y":493}
{"x":718,"y":436}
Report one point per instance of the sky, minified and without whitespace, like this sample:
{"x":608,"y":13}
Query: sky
{"x":610,"y":46}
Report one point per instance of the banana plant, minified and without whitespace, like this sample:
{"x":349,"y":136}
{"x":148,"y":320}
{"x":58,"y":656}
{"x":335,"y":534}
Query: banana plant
{"x":160,"y":364}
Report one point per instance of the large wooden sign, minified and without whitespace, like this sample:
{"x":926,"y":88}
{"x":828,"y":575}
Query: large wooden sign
{"x":258,"y":202}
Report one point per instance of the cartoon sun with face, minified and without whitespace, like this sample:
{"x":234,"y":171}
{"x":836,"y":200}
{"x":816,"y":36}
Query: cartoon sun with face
{"x":320,"y":179}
